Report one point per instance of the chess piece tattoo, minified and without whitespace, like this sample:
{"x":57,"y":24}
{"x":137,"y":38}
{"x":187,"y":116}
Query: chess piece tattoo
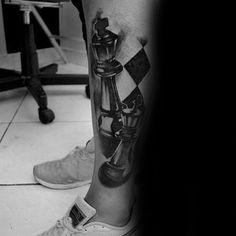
{"x":118,"y":121}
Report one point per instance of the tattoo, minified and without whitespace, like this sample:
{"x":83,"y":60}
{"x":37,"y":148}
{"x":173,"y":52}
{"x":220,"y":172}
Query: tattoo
{"x":118,"y":121}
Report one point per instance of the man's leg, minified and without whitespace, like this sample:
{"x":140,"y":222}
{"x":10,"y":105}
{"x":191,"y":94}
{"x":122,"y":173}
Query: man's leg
{"x":119,"y":43}
{"x":120,"y":68}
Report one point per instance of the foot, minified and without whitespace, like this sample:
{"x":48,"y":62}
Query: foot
{"x":77,"y":222}
{"x":72,"y":171}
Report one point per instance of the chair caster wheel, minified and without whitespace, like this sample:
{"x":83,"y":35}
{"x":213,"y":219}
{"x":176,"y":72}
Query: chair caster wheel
{"x":87,"y":91}
{"x":46,"y":116}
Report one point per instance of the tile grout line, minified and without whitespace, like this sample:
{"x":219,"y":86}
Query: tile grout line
{"x":13,"y":116}
{"x":26,"y":122}
{"x":23,"y":184}
{"x":29,"y":184}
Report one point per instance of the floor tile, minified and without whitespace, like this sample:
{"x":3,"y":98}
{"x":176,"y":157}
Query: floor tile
{"x":3,"y":127}
{"x":27,"y":144}
{"x":28,"y":211}
{"x":69,"y":103}
{"x":9,"y":102}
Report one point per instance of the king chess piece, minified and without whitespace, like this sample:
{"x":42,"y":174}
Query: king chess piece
{"x":104,"y":46}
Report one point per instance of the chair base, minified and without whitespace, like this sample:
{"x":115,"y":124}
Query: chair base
{"x":10,"y":79}
{"x":34,"y":77}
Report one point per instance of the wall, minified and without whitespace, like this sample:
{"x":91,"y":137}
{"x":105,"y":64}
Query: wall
{"x":70,"y":27}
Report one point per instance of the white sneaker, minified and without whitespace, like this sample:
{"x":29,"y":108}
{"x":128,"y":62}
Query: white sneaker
{"x":74,"y":223}
{"x":74,"y":170}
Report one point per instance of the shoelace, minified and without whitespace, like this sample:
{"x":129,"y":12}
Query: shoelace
{"x":78,"y":152}
{"x":66,"y":224}
{"x":83,"y":153}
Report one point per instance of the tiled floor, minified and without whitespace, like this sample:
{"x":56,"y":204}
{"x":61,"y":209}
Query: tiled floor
{"x":27,"y":208}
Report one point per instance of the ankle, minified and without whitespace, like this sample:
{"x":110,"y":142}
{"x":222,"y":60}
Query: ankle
{"x":110,"y":209}
{"x":111,"y":217}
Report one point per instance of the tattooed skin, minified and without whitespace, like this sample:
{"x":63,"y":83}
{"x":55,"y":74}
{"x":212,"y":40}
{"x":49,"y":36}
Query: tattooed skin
{"x":118,"y":121}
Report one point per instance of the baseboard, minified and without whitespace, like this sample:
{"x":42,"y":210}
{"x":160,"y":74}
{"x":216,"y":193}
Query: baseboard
{"x":46,"y":56}
{"x":76,"y":56}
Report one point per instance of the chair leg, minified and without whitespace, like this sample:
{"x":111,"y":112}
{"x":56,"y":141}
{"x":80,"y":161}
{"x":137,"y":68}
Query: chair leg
{"x":30,"y":72}
{"x":87,"y":91}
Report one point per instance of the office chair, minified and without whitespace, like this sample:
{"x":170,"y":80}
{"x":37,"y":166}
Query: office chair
{"x":31,"y":75}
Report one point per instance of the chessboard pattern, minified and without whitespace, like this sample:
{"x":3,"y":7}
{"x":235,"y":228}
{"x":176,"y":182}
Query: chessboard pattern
{"x":136,"y":69}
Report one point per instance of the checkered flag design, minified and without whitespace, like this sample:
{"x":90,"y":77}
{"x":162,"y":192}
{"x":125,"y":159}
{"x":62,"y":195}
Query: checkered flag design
{"x":136,"y":69}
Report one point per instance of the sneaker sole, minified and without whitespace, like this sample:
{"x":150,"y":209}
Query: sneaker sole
{"x":62,"y":186}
